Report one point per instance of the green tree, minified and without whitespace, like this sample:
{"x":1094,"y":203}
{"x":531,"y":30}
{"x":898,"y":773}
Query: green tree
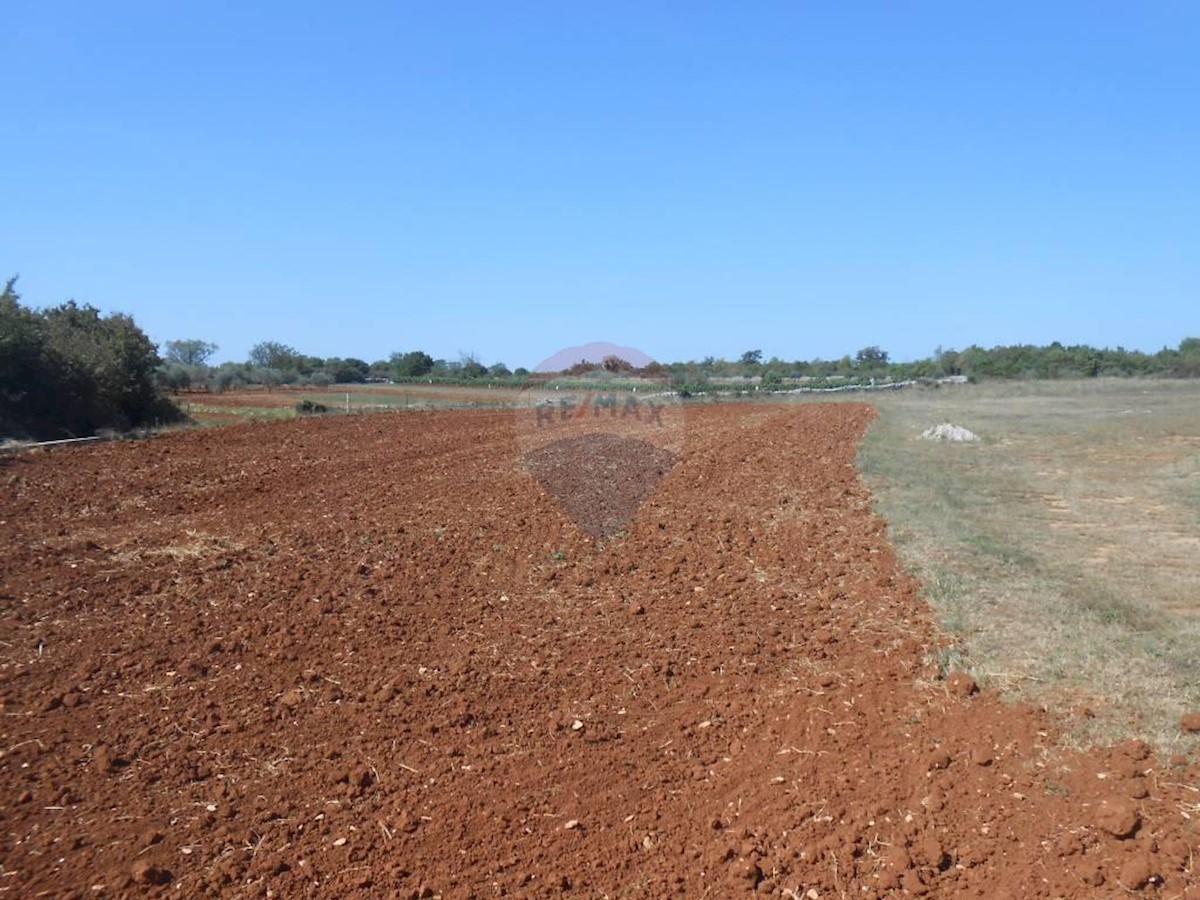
{"x":190,"y":352}
{"x":107,"y":368}
{"x":25,"y":377}
{"x":871,"y":358}
{"x":1188,"y":362}
{"x":21,"y":341}
{"x":274,"y":355}
{"x":228,"y":375}
{"x":471,"y":367}
{"x":176,"y":377}
{"x":413,"y":364}
{"x":346,"y":371}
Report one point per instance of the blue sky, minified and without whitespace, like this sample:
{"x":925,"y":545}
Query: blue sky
{"x":689,"y":178}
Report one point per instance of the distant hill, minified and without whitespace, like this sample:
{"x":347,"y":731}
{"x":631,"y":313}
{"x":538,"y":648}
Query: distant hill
{"x":592,"y":353}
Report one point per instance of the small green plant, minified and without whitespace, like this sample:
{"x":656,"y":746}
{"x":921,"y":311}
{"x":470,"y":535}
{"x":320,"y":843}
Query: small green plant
{"x":557,"y":555}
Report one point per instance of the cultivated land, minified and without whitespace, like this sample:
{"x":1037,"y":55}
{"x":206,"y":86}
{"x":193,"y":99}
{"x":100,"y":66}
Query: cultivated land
{"x":314,"y":657}
{"x":1062,"y":550}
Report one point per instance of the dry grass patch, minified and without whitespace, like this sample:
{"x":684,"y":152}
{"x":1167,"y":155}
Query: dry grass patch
{"x":1063,"y":550}
{"x":196,"y":545}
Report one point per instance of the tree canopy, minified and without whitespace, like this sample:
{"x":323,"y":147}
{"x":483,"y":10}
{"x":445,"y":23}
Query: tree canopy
{"x":69,"y":371}
{"x":871,"y":358}
{"x":190,"y":352}
{"x":274,"y":355}
{"x":412,"y":364}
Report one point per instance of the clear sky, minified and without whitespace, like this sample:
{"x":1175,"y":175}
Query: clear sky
{"x":691,"y":178}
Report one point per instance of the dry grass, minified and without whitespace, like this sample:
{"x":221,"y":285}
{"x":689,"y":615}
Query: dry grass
{"x":251,"y":403}
{"x":198,"y":545}
{"x":1063,"y":550}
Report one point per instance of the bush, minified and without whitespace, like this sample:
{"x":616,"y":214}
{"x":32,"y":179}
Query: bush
{"x":68,"y":371}
{"x":311,"y":408}
{"x":180,"y":377}
{"x":344,"y":371}
{"x":227,"y":376}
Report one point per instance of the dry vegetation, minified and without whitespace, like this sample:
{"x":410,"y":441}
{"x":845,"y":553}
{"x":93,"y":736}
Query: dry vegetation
{"x":1063,"y":550}
{"x":258,"y":403}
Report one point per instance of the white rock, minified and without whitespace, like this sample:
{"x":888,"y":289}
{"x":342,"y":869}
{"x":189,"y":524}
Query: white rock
{"x":947,"y":432}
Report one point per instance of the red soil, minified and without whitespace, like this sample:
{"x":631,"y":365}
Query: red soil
{"x":373,"y":654}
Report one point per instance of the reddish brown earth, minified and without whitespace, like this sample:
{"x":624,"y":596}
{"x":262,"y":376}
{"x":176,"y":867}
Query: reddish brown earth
{"x":372,"y":654}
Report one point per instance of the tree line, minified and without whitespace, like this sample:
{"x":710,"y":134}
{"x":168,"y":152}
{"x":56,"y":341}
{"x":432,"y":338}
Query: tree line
{"x":69,"y":371}
{"x":1022,"y":361}
{"x":271,"y":364}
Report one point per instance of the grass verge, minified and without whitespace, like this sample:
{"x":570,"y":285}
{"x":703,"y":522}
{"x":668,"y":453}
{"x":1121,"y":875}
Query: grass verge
{"x":1062,"y":551}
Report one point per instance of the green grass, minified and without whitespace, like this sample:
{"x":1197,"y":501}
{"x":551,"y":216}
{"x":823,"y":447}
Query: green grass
{"x":1062,"y":551}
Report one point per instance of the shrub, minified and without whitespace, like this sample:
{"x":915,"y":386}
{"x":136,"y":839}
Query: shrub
{"x":68,"y":371}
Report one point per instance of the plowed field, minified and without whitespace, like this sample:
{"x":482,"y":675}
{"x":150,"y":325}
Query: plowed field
{"x":373,"y":655}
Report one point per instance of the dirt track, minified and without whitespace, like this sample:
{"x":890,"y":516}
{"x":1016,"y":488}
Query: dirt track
{"x":371,"y":654}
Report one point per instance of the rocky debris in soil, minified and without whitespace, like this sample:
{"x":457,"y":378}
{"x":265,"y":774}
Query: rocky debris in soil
{"x":1120,"y":818}
{"x":103,"y":758}
{"x":147,"y":872}
{"x":1137,"y":874}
